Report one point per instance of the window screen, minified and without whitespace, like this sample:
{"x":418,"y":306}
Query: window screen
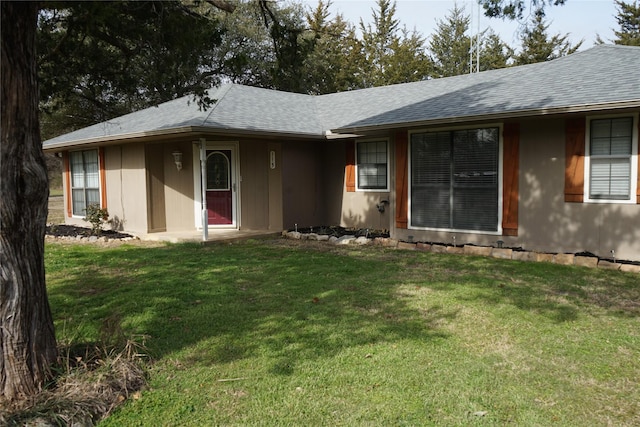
{"x":372,"y":165}
{"x":85,"y":180}
{"x":454,"y":179}
{"x":610,"y":158}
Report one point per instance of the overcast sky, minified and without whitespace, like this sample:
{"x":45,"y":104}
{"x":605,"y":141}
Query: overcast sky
{"x":582,"y":19}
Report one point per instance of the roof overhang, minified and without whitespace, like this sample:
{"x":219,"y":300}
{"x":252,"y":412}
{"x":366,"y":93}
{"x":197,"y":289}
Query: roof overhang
{"x":357,"y":130}
{"x":172,"y":134}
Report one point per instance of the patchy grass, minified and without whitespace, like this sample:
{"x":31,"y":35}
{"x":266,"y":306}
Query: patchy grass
{"x":285,"y":333}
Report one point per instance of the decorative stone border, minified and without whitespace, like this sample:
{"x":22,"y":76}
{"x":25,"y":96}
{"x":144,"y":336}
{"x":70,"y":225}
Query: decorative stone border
{"x":488,"y":251}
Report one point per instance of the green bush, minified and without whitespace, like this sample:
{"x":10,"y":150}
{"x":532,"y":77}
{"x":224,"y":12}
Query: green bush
{"x":97,"y":216}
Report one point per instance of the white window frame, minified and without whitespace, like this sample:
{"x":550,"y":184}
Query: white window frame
{"x":369,"y":141}
{"x":84,"y":187}
{"x":633,"y":187}
{"x":500,"y":127}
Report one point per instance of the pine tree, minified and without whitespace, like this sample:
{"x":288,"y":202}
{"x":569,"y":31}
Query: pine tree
{"x":392,"y":55}
{"x":538,"y":47}
{"x":494,"y":53}
{"x":450,"y":45}
{"x":629,"y":20}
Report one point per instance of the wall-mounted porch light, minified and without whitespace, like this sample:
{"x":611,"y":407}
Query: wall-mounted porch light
{"x":177,"y":159}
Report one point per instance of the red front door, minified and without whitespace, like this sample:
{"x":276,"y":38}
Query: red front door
{"x":219,"y":187}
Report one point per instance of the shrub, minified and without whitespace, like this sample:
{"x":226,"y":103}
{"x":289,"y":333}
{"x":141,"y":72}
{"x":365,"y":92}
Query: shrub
{"x":97,"y":216}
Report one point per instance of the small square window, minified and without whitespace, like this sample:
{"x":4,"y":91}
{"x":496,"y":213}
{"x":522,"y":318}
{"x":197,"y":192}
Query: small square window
{"x":371,"y":161}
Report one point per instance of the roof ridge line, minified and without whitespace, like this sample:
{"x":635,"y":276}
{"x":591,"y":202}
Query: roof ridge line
{"x":225,"y":88}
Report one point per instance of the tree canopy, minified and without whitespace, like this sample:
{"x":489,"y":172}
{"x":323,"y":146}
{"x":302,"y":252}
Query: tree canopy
{"x":514,"y":9}
{"x":538,"y":46}
{"x":628,"y":19}
{"x":98,"y":60}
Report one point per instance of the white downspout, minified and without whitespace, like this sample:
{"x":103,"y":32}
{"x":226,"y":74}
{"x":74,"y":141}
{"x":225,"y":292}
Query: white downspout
{"x":203,"y":186}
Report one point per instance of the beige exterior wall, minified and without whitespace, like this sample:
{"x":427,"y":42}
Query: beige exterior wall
{"x":546,"y":223}
{"x":349,"y":209}
{"x":254,"y":187}
{"x":125,"y":184}
{"x":133,"y":187}
{"x":178,"y":186}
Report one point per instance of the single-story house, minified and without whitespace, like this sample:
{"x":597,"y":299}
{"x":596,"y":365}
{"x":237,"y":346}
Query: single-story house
{"x":541,"y":156}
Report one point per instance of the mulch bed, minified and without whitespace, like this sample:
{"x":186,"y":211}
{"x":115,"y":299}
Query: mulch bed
{"x":63,"y":230}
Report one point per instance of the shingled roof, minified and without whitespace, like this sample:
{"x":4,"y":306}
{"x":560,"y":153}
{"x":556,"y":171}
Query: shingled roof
{"x":602,"y":78}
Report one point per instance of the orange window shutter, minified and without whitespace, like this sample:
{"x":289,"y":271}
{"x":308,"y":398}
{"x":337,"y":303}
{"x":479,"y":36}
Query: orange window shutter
{"x":510,"y":176}
{"x":350,"y":168}
{"x":66,"y":176}
{"x":402,"y":179}
{"x":574,"y":160}
{"x":103,"y":179}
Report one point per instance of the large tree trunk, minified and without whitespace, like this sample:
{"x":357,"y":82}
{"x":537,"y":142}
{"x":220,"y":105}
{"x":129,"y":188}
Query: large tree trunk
{"x":27,"y":338}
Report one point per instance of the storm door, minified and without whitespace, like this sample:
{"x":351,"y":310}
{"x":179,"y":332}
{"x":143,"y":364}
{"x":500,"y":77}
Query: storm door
{"x":219,"y":187}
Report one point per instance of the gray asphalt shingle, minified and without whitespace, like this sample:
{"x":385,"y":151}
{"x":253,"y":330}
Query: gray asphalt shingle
{"x":589,"y":79}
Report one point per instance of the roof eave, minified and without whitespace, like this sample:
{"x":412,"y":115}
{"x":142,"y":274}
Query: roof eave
{"x":538,"y":112}
{"x":174,"y":132}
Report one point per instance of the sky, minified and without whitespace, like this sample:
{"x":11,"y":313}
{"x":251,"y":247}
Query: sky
{"x":582,"y":19}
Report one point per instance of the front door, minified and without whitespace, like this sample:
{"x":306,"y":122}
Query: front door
{"x":219,"y":187}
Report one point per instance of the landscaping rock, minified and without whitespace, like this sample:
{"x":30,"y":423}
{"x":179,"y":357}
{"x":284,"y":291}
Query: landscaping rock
{"x":630,"y":268}
{"x":457,"y":250}
{"x":407,"y":246}
{"x":423,"y":247}
{"x":345,"y":240}
{"x":608,"y":265}
{"x":586,"y":261}
{"x":477,"y":250}
{"x":523,"y":256}
{"x":438,"y":249}
{"x":543,"y":257}
{"x":564,"y":259}
{"x":362,"y":241}
{"x":501,"y":253}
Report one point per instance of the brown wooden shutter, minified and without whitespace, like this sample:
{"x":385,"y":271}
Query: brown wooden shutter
{"x":574,"y":160}
{"x":66,"y":176}
{"x":402,"y":178}
{"x":350,"y":168}
{"x":510,"y":177}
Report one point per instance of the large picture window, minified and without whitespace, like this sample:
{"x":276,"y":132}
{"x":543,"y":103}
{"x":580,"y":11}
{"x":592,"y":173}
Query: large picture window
{"x":610,"y":155}
{"x":454,"y":179}
{"x":85,"y":180}
{"x":371,"y":159}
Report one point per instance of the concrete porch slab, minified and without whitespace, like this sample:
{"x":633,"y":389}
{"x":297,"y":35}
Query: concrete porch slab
{"x":215,"y":236}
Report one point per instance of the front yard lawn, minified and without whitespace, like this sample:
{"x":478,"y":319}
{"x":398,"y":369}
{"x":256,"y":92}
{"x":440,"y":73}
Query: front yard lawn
{"x":306,"y":333}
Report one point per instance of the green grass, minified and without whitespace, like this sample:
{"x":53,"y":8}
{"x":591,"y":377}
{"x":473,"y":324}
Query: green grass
{"x":263,"y":333}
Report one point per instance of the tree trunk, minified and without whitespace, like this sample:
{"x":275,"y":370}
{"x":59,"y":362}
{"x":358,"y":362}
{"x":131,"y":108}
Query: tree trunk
{"x":27,"y":338}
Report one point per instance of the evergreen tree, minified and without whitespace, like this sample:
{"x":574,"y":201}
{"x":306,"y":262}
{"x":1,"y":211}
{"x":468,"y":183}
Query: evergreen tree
{"x":392,"y":55}
{"x":335,"y":64}
{"x":494,"y":53}
{"x":450,"y":46}
{"x":514,"y":9}
{"x":629,"y":21}
{"x":538,"y":47}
